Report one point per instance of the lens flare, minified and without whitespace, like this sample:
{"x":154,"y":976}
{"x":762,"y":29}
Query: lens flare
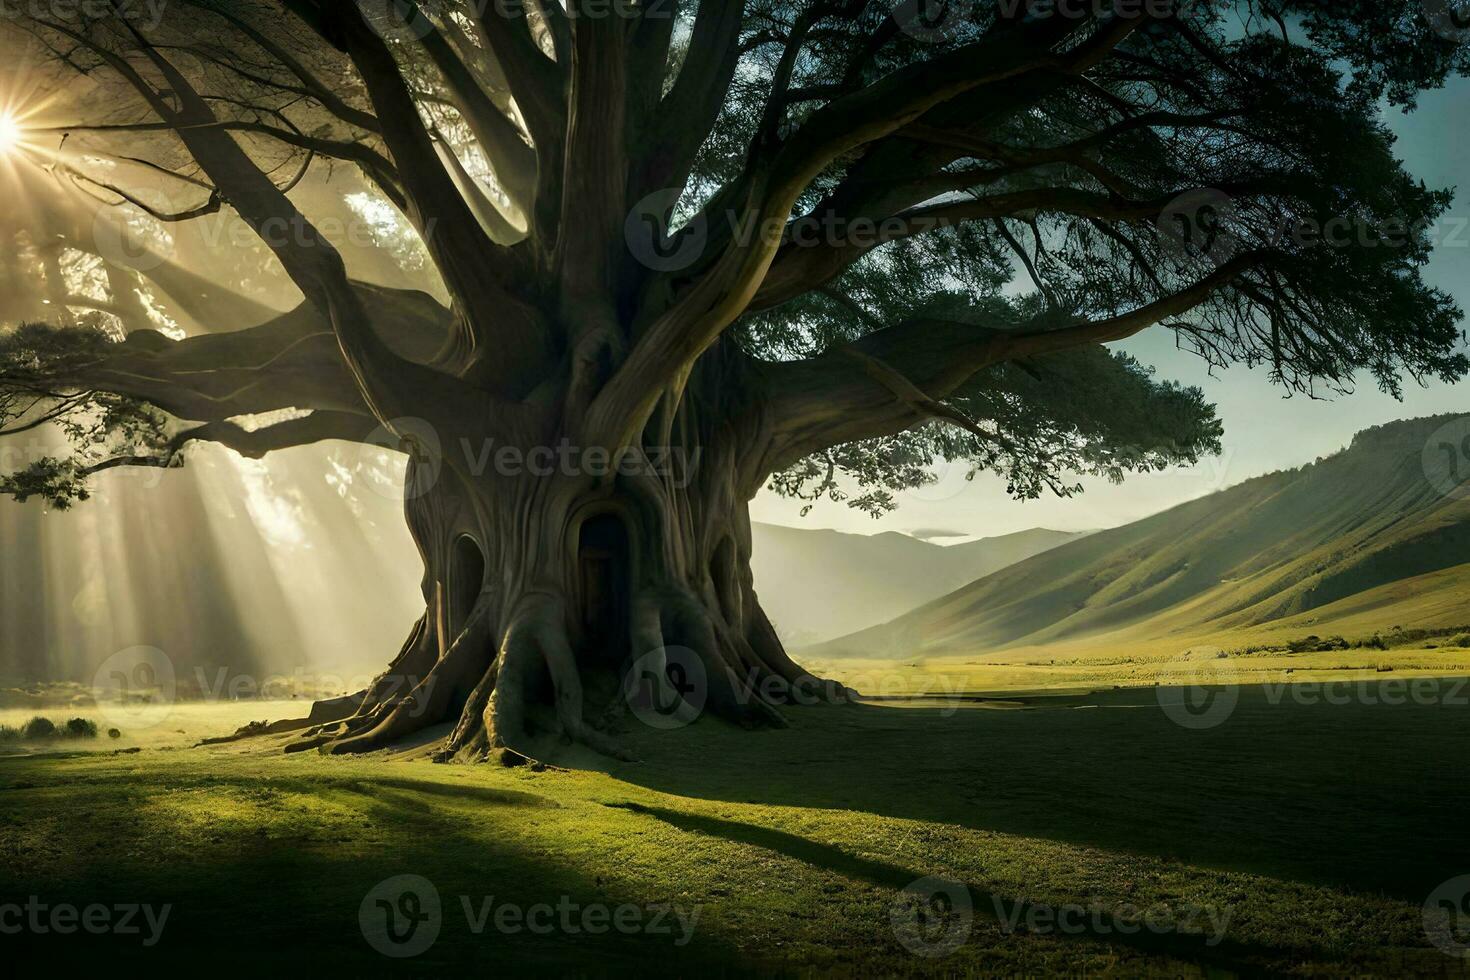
{"x":10,"y":134}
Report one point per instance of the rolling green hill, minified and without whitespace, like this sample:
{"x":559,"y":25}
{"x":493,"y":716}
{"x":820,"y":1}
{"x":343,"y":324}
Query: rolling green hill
{"x":1364,"y":540}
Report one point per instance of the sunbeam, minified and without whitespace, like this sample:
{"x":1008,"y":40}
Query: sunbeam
{"x":10,"y":134}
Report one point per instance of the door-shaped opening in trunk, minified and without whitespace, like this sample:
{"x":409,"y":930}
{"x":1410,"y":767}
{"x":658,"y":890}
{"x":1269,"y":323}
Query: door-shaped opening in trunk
{"x":604,"y":558}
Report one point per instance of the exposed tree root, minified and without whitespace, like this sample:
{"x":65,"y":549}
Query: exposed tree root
{"x":514,"y":581}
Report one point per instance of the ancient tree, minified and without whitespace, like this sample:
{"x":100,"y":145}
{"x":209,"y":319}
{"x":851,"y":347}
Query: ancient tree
{"x":690,"y":250}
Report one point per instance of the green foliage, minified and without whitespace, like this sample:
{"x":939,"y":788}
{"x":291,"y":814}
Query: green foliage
{"x":1273,"y":109}
{"x":1292,"y":143}
{"x":39,"y":366}
{"x":39,"y":727}
{"x":58,"y":482}
{"x":1083,"y":412}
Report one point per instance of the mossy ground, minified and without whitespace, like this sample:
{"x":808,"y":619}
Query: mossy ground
{"x":1316,"y":830}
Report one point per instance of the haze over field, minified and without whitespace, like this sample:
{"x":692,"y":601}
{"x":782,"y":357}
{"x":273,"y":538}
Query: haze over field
{"x":819,"y":584}
{"x":1370,"y":539}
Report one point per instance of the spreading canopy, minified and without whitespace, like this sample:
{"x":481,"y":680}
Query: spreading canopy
{"x":910,"y":227}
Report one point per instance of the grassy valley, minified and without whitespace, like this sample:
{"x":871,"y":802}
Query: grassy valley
{"x":1359,"y":545}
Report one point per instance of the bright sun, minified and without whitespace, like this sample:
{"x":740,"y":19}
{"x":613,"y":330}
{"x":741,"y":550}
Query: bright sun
{"x":9,"y":134}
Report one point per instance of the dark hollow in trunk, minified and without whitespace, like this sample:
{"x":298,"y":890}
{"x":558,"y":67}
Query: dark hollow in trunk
{"x":545,"y":585}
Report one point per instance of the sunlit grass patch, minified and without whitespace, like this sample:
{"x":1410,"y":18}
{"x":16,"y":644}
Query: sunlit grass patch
{"x":794,"y":846}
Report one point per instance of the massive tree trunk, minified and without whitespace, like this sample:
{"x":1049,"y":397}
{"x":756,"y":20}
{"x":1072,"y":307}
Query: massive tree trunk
{"x":563,"y":585}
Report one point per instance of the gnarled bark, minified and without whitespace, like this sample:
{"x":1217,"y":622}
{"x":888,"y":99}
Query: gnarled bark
{"x":550,"y":577}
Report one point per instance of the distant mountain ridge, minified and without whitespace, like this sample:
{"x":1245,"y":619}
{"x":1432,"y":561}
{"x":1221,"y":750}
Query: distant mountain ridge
{"x":1371,"y":526}
{"x":816,"y":584}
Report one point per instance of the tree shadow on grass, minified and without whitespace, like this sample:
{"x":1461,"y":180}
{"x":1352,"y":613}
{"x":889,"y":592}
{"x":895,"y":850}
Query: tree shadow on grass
{"x":1356,"y":796}
{"x":252,"y":896}
{"x":1203,"y":950}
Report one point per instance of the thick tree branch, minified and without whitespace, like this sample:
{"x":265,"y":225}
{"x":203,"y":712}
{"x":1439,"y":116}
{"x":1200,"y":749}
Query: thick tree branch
{"x":688,"y":112}
{"x":836,"y":397}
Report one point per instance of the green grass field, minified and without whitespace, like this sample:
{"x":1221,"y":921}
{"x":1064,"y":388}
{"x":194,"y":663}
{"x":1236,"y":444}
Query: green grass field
{"x":1311,"y":833}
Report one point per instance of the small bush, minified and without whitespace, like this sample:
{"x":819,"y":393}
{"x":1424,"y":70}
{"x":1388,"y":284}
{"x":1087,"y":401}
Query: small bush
{"x":9,"y":733}
{"x":1316,"y":644}
{"x":81,"y":728}
{"x":39,"y":727}
{"x":114,"y":733}
{"x":1463,"y":640}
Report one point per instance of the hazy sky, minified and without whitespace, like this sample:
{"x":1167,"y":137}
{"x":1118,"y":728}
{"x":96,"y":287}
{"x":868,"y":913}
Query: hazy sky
{"x":1263,"y":431}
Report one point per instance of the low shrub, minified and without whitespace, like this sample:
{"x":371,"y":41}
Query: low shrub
{"x":40,"y":727}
